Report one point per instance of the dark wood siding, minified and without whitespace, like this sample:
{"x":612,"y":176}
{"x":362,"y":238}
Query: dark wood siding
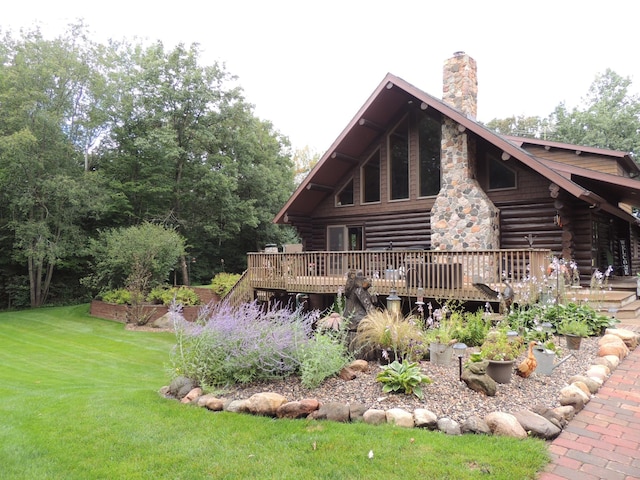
{"x":584,"y":160}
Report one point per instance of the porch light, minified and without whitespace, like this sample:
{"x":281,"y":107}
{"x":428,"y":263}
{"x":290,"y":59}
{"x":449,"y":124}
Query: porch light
{"x":460,"y":349}
{"x":393,"y":303}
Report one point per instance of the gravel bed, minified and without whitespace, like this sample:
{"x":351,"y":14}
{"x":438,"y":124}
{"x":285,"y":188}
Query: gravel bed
{"x":447,"y":396}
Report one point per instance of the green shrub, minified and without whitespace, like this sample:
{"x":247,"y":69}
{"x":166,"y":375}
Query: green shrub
{"x":164,"y":295}
{"x":223,"y":282}
{"x":405,"y":377}
{"x":120,"y":296}
{"x":470,"y":328}
{"x":320,"y":358}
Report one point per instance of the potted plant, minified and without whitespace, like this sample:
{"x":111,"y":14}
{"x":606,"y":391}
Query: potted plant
{"x":440,"y":340}
{"x":573,"y":330}
{"x":501,"y":351}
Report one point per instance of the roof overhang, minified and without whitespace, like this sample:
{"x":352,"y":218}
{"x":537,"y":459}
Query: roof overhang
{"x":385,"y":104}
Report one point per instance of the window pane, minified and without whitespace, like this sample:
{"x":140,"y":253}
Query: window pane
{"x":399,"y":160}
{"x":371,"y":179}
{"x":429,"y":134}
{"x":500,"y":176}
{"x":345,"y":197}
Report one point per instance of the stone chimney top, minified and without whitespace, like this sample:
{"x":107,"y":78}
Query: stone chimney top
{"x":460,"y":84}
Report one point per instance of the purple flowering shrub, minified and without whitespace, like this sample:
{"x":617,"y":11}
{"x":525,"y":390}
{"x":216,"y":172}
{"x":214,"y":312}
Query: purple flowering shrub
{"x":227,"y":345}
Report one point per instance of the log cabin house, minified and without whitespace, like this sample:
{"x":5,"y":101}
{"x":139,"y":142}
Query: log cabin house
{"x":427,"y":201}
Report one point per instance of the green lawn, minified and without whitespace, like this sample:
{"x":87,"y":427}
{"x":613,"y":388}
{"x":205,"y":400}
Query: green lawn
{"x":78,"y":400}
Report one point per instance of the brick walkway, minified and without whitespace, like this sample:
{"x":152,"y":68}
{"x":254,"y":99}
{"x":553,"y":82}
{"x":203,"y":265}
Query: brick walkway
{"x":603,"y":440}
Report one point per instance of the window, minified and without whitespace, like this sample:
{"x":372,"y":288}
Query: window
{"x":371,"y":179}
{"x":345,"y":197}
{"x":429,"y":134}
{"x":399,"y":161}
{"x":500,"y":176}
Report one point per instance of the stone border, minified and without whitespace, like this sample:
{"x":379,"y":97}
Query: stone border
{"x":543,"y":423}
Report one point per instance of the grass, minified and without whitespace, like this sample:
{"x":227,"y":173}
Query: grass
{"x":78,"y":400}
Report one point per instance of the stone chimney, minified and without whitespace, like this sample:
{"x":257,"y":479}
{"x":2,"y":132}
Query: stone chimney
{"x":462,"y":217}
{"x":460,"y":84}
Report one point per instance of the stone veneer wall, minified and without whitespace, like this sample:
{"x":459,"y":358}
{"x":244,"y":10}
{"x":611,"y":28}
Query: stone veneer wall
{"x":462,"y":217}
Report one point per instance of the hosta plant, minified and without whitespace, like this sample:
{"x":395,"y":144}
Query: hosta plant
{"x":403,"y":377}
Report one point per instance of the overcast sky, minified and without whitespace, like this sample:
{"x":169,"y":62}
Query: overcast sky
{"x":308,"y":66}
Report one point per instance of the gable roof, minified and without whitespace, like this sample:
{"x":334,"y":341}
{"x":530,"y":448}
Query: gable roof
{"x":371,"y":121}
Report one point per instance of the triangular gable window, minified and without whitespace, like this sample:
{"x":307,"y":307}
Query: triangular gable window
{"x":500,"y":176}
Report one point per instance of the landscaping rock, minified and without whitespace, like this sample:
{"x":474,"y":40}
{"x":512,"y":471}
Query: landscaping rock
{"x":502,"y":423}
{"x":347,"y":374}
{"x":334,"y":411}
{"x":611,"y":344}
{"x":400,"y":418}
{"x":374,"y":416}
{"x":475,"y":424}
{"x":536,"y":425}
{"x":582,"y":386}
{"x":297,"y":409}
{"x":356,"y":411}
{"x":566,"y":412}
{"x":164,"y":322}
{"x":554,"y":417}
{"x":614,"y":360}
{"x":592,"y":385}
{"x":266,"y":403}
{"x":211,"y":402}
{"x":572,"y":395}
{"x":598,"y":371}
{"x":237,"y":406}
{"x":424,"y":418}
{"x":180,"y":386}
{"x":192,"y":396}
{"x":359,"y":366}
{"x":476,"y":378}
{"x":449,"y":426}
{"x":629,"y":337}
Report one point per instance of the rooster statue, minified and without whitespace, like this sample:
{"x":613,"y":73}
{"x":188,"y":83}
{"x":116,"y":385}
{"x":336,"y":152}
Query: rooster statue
{"x":529,"y":364}
{"x":505,"y":296}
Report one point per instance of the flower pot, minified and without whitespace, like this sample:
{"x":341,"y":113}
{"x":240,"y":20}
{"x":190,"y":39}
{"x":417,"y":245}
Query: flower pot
{"x":573,"y":341}
{"x":440,"y":353}
{"x":500,"y":370}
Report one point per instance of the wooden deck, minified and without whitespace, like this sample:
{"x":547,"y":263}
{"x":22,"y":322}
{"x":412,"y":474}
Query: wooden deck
{"x":411,"y":273}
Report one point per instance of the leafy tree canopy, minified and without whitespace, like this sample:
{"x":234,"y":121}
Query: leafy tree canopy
{"x":608,"y":117}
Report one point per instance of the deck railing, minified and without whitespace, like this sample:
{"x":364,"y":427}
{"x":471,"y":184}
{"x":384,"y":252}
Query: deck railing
{"x":439,"y":274}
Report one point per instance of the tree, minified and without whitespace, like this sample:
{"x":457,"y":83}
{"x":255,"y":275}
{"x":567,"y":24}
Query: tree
{"x":45,"y":194}
{"x":188,"y":152}
{"x":609,"y":117}
{"x":521,"y":126}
